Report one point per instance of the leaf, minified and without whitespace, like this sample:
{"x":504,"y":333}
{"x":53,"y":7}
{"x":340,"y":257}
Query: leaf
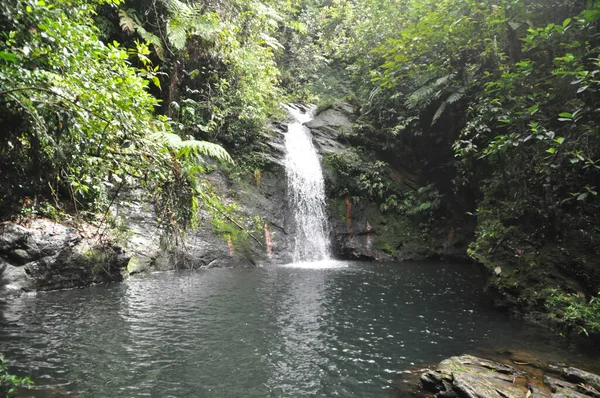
{"x":514,"y":25}
{"x":156,"y":81}
{"x":126,"y":22}
{"x":566,"y":115}
{"x":566,"y":22}
{"x":439,"y":112}
{"x":190,"y":148}
{"x":177,"y":33}
{"x":551,"y":150}
{"x":582,"y":196}
{"x":271,"y":41}
{"x":533,"y":109}
{"x":9,"y":57}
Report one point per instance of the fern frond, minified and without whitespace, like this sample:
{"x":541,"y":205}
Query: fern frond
{"x":206,"y":26}
{"x":130,"y":23}
{"x":188,"y":149}
{"x":127,"y":23}
{"x":271,"y":41}
{"x":452,"y":98}
{"x":418,"y":96}
{"x":429,"y":91}
{"x":154,"y":40}
{"x":456,"y":96}
{"x":439,"y":112}
{"x":177,"y":7}
{"x":192,"y":148}
{"x":177,"y":32}
{"x":169,"y":140}
{"x":443,"y":80}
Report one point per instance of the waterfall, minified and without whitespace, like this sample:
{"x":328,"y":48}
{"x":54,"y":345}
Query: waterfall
{"x":306,"y":191}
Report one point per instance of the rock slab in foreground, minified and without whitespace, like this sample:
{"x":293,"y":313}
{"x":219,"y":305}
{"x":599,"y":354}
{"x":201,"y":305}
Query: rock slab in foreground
{"x":467,"y":376}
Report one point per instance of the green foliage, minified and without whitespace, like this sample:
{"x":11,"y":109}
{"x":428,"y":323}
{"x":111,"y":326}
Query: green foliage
{"x":80,"y":120}
{"x":371,"y":181}
{"x":220,"y":80}
{"x":9,"y":383}
{"x":493,"y":102}
{"x":424,"y":201}
{"x":575,"y":310}
{"x":359,"y":178}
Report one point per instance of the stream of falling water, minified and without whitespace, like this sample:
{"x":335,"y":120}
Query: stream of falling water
{"x":306,"y":191}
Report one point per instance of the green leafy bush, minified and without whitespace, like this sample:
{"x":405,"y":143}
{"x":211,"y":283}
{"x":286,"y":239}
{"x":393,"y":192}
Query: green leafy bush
{"x":9,"y":383}
{"x":79,"y":119}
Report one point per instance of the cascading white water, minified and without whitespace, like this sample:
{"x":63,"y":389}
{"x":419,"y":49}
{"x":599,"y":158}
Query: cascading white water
{"x":306,"y":191}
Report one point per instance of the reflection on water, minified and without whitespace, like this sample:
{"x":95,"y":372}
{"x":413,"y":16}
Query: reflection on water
{"x":326,"y":329}
{"x":301,"y":316}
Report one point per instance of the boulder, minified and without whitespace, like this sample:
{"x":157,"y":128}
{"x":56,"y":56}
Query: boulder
{"x":329,"y":126}
{"x":472,"y":377}
{"x":45,"y":255}
{"x":467,"y":376}
{"x":581,"y":377}
{"x":578,"y":389}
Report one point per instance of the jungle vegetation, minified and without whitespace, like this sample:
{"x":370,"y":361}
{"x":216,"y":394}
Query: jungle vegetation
{"x":492,"y":104}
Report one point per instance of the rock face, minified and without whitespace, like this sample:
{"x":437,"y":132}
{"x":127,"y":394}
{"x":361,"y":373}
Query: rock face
{"x":329,"y":126}
{"x":468,"y":376}
{"x":145,"y":246}
{"x":360,"y":230}
{"x":45,"y":256}
{"x":351,"y":229}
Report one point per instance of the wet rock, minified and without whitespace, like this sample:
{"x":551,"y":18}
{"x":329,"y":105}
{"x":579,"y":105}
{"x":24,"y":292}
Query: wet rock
{"x":505,"y":301}
{"x":472,"y":377}
{"x":577,"y":389}
{"x":146,"y":244}
{"x":581,"y":376}
{"x":45,"y":255}
{"x":434,"y":381}
{"x":471,"y":385}
{"x":468,"y":376}
{"x":329,"y":126}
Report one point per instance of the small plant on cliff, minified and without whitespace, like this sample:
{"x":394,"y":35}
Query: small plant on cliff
{"x":574,"y":310}
{"x":9,"y":383}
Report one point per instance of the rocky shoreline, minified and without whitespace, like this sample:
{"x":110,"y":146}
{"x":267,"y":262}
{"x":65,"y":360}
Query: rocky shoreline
{"x":469,"y":376}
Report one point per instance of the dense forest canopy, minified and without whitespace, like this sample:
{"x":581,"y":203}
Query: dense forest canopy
{"x":493,"y":105}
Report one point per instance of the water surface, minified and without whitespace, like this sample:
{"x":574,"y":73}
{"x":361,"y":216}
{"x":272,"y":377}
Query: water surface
{"x":335,"y":329}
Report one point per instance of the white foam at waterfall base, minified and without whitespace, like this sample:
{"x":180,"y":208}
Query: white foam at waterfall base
{"x":322,"y":264}
{"x":306,"y":192}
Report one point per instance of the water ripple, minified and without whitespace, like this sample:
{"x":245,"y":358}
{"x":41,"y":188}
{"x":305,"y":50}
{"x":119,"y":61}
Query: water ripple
{"x":328,"y":329}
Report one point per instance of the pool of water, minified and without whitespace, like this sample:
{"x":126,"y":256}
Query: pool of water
{"x":331,"y":329}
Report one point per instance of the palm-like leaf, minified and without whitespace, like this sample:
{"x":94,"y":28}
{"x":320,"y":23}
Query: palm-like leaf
{"x":452,"y":98}
{"x":187,"y":20}
{"x":189,"y":149}
{"x":130,"y":23}
{"x":429,"y":92}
